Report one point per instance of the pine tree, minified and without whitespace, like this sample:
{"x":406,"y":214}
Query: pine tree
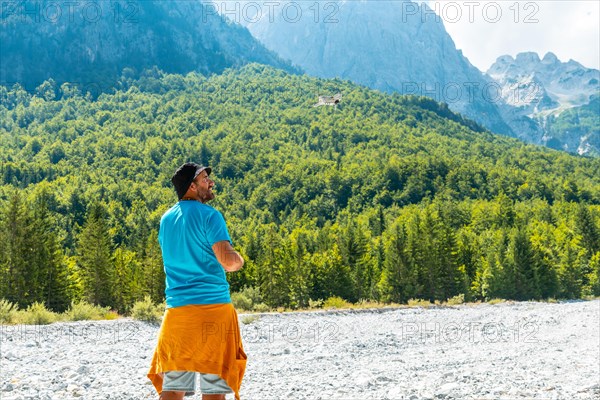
{"x":505,"y":214}
{"x":587,"y":229}
{"x":570,"y":271}
{"x":415,"y":253}
{"x":432,"y":256}
{"x":547,"y":279}
{"x":272,"y":265}
{"x":450,"y":277}
{"x":154,"y":272}
{"x":127,"y":280}
{"x":7,"y":237}
{"x":137,"y":227}
{"x":490,"y":276}
{"x":594,"y":277}
{"x":47,"y":258}
{"x":521,"y":264}
{"x":94,"y":258}
{"x":399,"y":279}
{"x":20,"y":278}
{"x":353,"y":245}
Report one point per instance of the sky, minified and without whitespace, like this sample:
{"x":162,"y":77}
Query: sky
{"x":484,"y":30}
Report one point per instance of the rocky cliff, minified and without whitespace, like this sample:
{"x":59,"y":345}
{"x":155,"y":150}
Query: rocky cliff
{"x":92,"y":42}
{"x":561,"y":97}
{"x":393,"y":46}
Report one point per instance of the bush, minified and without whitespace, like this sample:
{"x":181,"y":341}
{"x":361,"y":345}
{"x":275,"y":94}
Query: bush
{"x":110,"y":315}
{"x":336,"y":302}
{"x":248,"y":319}
{"x":363,"y":304}
{"x":458,"y":299}
{"x":262,"y":307}
{"x":241,"y":302}
{"x":8,"y":312}
{"x":496,"y":301}
{"x":419,"y":303}
{"x":85,"y":311}
{"x":315,"y":303}
{"x":146,"y":310}
{"x":37,"y":314}
{"x":249,"y":299}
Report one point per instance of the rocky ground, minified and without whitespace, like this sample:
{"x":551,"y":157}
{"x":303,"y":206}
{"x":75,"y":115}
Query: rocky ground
{"x":503,"y":351}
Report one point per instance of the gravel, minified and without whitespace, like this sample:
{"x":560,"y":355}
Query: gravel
{"x":505,"y":351}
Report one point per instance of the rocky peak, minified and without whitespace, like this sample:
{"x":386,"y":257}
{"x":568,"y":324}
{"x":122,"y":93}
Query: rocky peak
{"x":542,"y":90}
{"x":550,"y":58}
{"x":565,"y":83}
{"x":527,"y":58}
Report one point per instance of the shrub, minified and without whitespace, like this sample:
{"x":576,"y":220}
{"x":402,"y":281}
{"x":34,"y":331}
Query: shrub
{"x":37,"y":314}
{"x":363,"y":303}
{"x":248,"y":299}
{"x":85,"y":311}
{"x":8,"y":312}
{"x":419,"y":303}
{"x":241,"y":302}
{"x":458,"y":299}
{"x":315,"y":303}
{"x":248,"y":319}
{"x":110,"y":315}
{"x":262,"y":307}
{"x":336,"y":302}
{"x":146,"y":310}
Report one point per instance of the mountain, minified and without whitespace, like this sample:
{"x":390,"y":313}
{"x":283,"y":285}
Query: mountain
{"x":543,"y":89}
{"x":401,"y":46}
{"x":390,"y":47}
{"x":91,"y":43}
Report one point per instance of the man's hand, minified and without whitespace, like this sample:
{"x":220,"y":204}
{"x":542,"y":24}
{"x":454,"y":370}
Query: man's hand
{"x":229,"y":259}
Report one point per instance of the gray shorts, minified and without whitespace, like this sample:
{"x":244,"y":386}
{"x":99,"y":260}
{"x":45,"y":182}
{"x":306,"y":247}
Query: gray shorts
{"x":185,"y":381}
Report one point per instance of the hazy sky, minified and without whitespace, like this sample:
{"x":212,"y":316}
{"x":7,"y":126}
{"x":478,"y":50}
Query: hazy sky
{"x":484,"y":30}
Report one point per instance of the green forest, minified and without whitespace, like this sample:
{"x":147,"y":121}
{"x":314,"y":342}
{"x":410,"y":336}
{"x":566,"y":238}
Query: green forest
{"x":385,"y":197}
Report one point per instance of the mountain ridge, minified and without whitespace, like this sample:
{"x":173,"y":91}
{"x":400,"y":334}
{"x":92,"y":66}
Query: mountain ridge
{"x":543,"y":89}
{"x":422,"y":59}
{"x":393,"y":50}
{"x":92,"y":45}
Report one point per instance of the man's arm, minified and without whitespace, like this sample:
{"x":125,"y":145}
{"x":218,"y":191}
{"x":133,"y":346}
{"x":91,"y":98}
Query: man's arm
{"x":230,"y":259}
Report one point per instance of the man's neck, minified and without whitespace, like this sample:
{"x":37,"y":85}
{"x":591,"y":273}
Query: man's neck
{"x":191,"y":199}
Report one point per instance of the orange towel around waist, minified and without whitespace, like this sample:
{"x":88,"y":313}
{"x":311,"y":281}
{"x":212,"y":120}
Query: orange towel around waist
{"x":201,"y":338}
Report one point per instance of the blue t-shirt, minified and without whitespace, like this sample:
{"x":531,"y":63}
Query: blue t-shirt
{"x":194,"y":275}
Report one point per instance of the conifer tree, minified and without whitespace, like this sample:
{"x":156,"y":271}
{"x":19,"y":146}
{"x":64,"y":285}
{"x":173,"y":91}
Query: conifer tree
{"x":521,"y":268}
{"x":94,"y":257}
{"x":587,"y":229}
{"x":127,"y":280}
{"x":21,"y":280}
{"x":505,"y":214}
{"x":399,"y":279}
{"x":335,"y":276}
{"x":353,"y":245}
{"x":47,"y":258}
{"x":594,"y":276}
{"x":154,"y":273}
{"x":570,"y":271}
{"x":271,"y":272}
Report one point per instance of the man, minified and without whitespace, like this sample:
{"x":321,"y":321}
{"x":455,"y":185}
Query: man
{"x":199,"y":335}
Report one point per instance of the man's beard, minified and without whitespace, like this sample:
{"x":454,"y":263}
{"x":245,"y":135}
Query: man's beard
{"x":205,"y":195}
